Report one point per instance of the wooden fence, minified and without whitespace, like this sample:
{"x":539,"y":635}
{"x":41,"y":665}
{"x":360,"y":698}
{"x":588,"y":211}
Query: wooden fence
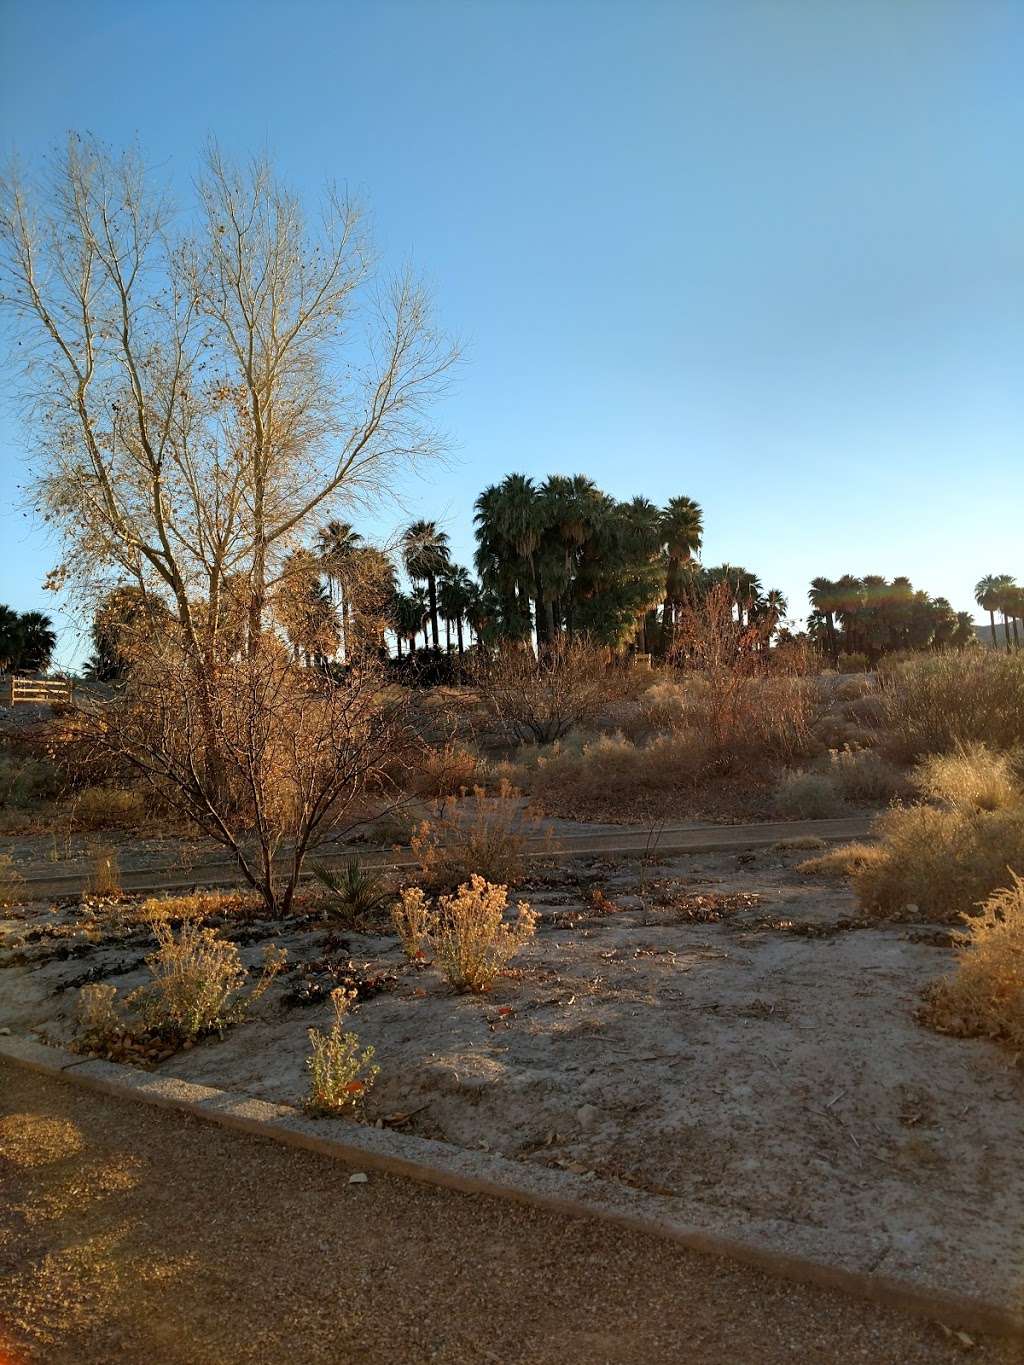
{"x":40,"y":691}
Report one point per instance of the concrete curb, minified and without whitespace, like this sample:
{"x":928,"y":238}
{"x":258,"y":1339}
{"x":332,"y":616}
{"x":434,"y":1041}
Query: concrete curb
{"x":439,"y":1163}
{"x":720,"y":839}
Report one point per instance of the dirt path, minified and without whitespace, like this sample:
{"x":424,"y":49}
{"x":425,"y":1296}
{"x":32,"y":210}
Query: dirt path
{"x":130,"y":1234}
{"x":653,"y":841}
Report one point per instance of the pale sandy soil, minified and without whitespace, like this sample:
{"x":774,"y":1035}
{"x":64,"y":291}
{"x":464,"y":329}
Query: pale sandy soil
{"x":133,"y":1235}
{"x":754,"y":1063}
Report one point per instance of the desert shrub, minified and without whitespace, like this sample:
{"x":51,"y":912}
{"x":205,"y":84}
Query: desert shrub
{"x":470,"y":941}
{"x":449,"y":769}
{"x":339,"y":1074}
{"x":611,"y":772}
{"x":942,"y":703}
{"x":193,"y":905}
{"x":11,"y":881}
{"x":985,"y":994}
{"x":109,"y":808}
{"x":104,"y":876}
{"x":844,"y":690}
{"x":659,"y":708}
{"x":863,"y":775}
{"x":356,"y":895}
{"x":480,"y":835}
{"x":196,"y":988}
{"x":802,"y":795}
{"x":843,"y":861}
{"x":26,"y":780}
{"x":854,"y":662}
{"x":413,"y":920}
{"x":940,"y":861}
{"x":971,"y":778}
{"x":536,"y":700}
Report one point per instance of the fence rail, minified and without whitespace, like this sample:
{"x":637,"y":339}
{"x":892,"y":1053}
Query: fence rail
{"x":41,"y":691}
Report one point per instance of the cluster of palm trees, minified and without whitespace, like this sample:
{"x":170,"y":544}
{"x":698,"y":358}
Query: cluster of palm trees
{"x":1001,"y":593}
{"x":874,"y":616}
{"x":27,"y":641}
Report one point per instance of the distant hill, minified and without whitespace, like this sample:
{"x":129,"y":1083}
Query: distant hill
{"x":984,"y":634}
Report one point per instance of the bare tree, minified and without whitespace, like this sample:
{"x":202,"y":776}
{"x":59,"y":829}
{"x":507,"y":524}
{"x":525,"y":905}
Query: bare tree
{"x":203,"y":393}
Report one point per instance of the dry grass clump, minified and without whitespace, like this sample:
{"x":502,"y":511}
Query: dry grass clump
{"x":196,"y":989}
{"x":611,"y":772}
{"x":195,"y":905}
{"x":985,"y":994}
{"x":865,"y":777}
{"x":413,"y":920}
{"x":970,"y":778}
{"x":104,"y":877}
{"x":339,"y":1074}
{"x":11,"y":881}
{"x":26,"y":780}
{"x":938,"y":863}
{"x":802,"y":795}
{"x":109,"y":808}
{"x":480,"y":835}
{"x":942,"y":703}
{"x":843,"y":861}
{"x":470,"y":941}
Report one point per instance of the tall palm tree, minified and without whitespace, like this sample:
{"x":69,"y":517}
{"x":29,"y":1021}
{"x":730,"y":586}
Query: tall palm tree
{"x":338,"y":544}
{"x":682,"y":530}
{"x":1005,"y":586}
{"x":10,"y":638}
{"x":454,"y":596}
{"x":426,"y":554}
{"x":823,"y":596}
{"x":987,"y":595}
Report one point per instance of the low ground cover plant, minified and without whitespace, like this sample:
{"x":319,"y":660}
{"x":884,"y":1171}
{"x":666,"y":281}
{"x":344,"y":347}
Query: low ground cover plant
{"x":802,"y":795}
{"x":984,"y":996}
{"x":339,"y":1074}
{"x":470,"y":941}
{"x":197,"y":987}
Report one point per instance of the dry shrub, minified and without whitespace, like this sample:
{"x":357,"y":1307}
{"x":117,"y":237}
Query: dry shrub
{"x":942,"y":703}
{"x":339,"y":1075}
{"x":194,"y":905}
{"x":985,"y":995}
{"x":486,"y":839}
{"x":449,"y":769}
{"x":109,"y":808}
{"x":26,"y":780}
{"x":532,"y":700}
{"x":11,"y":882}
{"x":413,"y":920}
{"x":611,"y":772}
{"x":854,"y":662}
{"x":971,"y":778}
{"x":863,"y":775}
{"x":844,"y":861}
{"x":941,"y":862}
{"x":196,"y":989}
{"x":807,"y":796}
{"x":104,"y":877}
{"x":470,"y":942}
{"x":659,"y":708}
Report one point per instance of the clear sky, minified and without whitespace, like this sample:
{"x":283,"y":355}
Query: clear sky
{"x":769,"y":255}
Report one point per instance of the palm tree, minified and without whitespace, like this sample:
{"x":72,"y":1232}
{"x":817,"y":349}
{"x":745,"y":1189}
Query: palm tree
{"x":35,"y":641}
{"x":987,"y":594}
{"x":411,"y":613}
{"x":426,"y":555}
{"x":10,"y":638}
{"x":338,"y":543}
{"x":824,"y":599}
{"x":454,"y":596}
{"x":1005,"y":587}
{"x":682,"y":530}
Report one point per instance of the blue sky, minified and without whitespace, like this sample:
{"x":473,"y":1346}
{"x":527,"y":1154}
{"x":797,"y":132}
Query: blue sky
{"x":770,"y":255}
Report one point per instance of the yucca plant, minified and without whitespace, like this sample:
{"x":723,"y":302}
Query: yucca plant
{"x":356,"y":894}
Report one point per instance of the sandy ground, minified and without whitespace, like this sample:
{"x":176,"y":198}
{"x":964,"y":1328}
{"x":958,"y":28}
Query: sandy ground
{"x":130,"y":1234}
{"x":731,"y":1041}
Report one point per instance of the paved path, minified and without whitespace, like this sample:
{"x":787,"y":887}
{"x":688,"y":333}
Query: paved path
{"x":131,"y":1234}
{"x":627,"y":841}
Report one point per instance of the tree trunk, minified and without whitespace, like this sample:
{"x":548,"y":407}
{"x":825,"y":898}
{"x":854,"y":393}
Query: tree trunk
{"x":1006,"y":631}
{"x":432,"y":590}
{"x":458,"y":628}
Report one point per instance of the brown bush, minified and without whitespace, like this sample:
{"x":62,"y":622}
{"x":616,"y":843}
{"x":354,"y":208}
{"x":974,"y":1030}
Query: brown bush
{"x":537,"y":700}
{"x":470,"y":941}
{"x":109,"y":808}
{"x":485,"y":835}
{"x":942,"y":703}
{"x":972,"y":778}
{"x":985,"y":994}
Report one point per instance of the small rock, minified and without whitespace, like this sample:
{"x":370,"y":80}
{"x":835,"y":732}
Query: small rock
{"x":358,"y":1178}
{"x":5,"y":1031}
{"x":588,"y":1116}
